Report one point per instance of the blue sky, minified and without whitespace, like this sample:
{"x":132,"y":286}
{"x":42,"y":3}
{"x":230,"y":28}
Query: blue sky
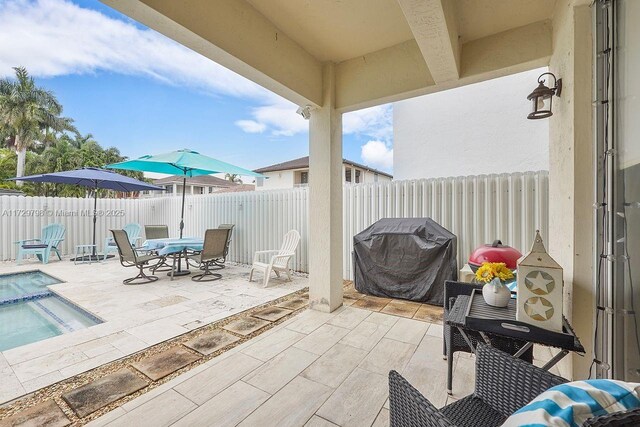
{"x":136,"y":90}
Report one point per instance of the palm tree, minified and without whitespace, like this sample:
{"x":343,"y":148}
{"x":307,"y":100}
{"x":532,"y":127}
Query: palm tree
{"x":233,"y":177}
{"x":80,"y":140}
{"x":29,"y":115}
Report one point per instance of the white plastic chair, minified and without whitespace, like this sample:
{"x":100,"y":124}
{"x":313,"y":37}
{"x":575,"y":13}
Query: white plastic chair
{"x":280,"y":261}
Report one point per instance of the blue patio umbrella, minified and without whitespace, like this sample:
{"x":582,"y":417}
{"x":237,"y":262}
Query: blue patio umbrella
{"x":93,"y":178}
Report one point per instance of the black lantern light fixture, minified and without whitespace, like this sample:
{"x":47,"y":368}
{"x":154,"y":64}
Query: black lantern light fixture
{"x":542,"y":97}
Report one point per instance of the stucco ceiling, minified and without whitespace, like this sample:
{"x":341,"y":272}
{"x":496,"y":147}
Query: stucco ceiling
{"x":382,"y":50}
{"x":338,"y":30}
{"x":477,"y":19}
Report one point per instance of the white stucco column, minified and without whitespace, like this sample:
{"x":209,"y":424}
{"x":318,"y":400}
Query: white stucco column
{"x":571,"y":175}
{"x":325,"y":200}
{"x":175,"y":190}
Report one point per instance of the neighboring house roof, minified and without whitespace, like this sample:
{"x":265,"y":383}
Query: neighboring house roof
{"x":202,"y":180}
{"x":303,"y":163}
{"x":240,"y":188}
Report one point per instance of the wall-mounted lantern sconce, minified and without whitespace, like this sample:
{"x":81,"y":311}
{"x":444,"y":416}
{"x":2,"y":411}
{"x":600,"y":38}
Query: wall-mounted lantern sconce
{"x":542,"y":97}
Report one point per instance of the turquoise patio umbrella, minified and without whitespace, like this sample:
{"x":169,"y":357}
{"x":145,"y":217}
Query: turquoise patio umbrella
{"x":187,"y":163}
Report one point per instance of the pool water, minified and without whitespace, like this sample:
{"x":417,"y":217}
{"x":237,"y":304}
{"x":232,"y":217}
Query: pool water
{"x":30,"y":312}
{"x":22,"y":284}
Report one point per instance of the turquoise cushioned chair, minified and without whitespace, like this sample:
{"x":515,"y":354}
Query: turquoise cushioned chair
{"x":52,"y":236}
{"x":133,"y":231}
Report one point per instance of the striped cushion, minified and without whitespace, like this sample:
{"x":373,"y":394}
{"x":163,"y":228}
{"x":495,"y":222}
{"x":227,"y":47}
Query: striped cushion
{"x":570,"y":404}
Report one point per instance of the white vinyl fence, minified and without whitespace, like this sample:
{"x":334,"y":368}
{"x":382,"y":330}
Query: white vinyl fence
{"x":478,"y":209}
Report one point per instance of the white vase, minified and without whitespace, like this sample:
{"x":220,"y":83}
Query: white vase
{"x":496,"y":293}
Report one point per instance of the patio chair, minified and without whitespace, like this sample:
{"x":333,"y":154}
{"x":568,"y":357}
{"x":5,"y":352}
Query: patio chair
{"x":133,"y":231}
{"x":213,"y":249}
{"x":129,"y":257}
{"x":52,"y":236}
{"x":279,"y":262}
{"x":504,"y":384}
{"x":158,"y":232}
{"x":453,"y":340}
{"x":219,"y":263}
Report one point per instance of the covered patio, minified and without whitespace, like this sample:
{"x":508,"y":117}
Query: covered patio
{"x":328,"y":365}
{"x":400,"y":49}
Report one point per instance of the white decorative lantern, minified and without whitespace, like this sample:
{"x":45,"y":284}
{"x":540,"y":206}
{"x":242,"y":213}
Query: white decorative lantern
{"x":540,"y":284}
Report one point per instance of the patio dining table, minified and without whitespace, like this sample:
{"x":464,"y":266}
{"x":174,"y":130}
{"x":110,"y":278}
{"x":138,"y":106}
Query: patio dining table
{"x":173,"y":245}
{"x":176,"y":247}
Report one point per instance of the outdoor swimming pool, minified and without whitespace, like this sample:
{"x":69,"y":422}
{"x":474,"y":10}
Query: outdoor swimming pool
{"x":30,"y":312}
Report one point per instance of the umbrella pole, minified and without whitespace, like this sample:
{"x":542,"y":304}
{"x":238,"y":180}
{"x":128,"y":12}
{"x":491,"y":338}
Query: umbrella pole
{"x":184,"y":189}
{"x":95,"y":213}
{"x":180,"y":271}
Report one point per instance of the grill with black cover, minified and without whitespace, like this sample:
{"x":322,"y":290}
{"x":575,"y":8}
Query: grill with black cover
{"x":407,"y":258}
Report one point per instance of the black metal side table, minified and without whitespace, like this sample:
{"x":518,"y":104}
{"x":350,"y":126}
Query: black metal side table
{"x":472,"y":313}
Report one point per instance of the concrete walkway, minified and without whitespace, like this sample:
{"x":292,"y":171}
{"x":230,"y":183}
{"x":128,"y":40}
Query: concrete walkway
{"x":316,"y":369}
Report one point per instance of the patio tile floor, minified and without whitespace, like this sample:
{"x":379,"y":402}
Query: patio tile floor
{"x":306,"y":370}
{"x":135,"y":317}
{"x":314,"y":369}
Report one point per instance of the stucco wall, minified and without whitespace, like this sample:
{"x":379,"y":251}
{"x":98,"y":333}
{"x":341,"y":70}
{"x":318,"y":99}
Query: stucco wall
{"x":628,"y":138}
{"x":287,"y":179}
{"x":571,"y":174}
{"x":277,"y":180}
{"x":628,"y":96}
{"x":458,"y":131}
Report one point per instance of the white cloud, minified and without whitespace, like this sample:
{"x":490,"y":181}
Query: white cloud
{"x":56,"y":37}
{"x":281,"y":118}
{"x":251,"y":126}
{"x":376,"y":122}
{"x":377,"y":154}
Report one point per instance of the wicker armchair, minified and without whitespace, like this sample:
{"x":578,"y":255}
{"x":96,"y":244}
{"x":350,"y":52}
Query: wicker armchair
{"x":454,"y":341}
{"x":504,"y":384}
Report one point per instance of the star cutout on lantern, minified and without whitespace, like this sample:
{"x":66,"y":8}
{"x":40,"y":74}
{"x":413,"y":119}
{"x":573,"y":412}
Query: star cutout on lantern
{"x":540,"y":309}
{"x":538,"y":283}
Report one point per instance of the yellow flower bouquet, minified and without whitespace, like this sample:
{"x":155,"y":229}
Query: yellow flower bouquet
{"x":491,"y":270}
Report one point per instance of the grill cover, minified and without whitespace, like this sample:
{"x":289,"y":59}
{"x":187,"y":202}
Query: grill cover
{"x":408,"y":258}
